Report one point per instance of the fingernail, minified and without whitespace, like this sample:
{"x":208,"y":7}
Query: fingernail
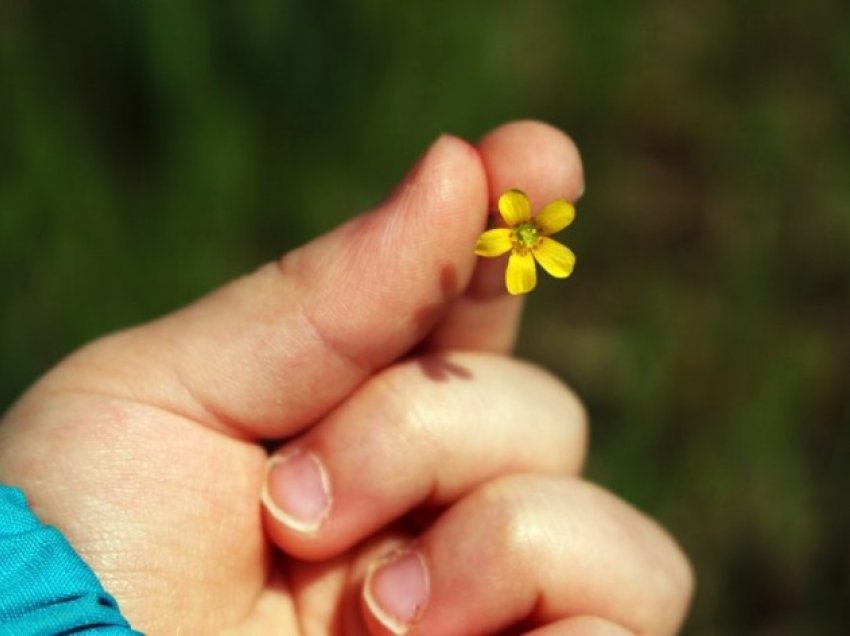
{"x":396,"y":590}
{"x":297,"y":491}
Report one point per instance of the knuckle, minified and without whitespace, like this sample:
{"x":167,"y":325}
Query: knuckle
{"x":577,"y":426}
{"x":560,"y":403}
{"x":514,"y":519}
{"x":674,"y":590}
{"x":402,"y":412}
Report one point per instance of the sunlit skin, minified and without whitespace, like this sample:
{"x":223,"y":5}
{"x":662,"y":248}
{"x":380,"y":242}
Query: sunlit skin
{"x":378,"y":349}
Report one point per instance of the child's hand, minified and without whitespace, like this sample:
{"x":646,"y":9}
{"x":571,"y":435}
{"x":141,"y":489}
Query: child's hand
{"x":147,"y":448}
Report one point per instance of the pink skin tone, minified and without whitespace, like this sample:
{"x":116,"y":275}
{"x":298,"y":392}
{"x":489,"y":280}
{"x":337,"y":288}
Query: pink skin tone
{"x":428,"y":481}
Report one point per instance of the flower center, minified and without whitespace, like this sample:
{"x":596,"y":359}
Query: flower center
{"x":526,"y":236}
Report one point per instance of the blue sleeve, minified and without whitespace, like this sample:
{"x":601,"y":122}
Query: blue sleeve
{"x":45,"y":588}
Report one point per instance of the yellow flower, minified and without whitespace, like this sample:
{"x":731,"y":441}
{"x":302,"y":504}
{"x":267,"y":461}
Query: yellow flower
{"x":527,"y":238}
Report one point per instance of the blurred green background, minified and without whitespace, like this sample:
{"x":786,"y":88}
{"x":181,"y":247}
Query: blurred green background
{"x":149,"y":151}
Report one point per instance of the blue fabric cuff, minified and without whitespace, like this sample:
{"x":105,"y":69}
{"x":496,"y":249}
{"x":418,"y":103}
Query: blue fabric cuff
{"x":45,"y":587}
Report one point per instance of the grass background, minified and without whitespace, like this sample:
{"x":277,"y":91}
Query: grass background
{"x":150,"y":151}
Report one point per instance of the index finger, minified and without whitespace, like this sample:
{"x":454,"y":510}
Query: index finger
{"x":543,"y":162}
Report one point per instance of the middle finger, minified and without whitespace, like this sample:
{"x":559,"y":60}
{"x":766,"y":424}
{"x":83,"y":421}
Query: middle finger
{"x":423,"y":432}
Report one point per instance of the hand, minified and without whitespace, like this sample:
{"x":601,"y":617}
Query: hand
{"x":147,"y":448}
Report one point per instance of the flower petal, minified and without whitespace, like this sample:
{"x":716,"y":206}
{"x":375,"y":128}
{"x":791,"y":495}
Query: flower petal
{"x":555,"y":258}
{"x":494,"y":242}
{"x":521,"y":275}
{"x":515,"y":207}
{"x":555,"y":216}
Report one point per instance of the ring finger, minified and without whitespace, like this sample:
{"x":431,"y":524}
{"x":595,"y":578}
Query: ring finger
{"x":537,"y":551}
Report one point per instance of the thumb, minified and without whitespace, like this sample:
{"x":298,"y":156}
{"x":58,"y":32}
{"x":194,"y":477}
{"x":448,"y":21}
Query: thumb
{"x":272,"y":351}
